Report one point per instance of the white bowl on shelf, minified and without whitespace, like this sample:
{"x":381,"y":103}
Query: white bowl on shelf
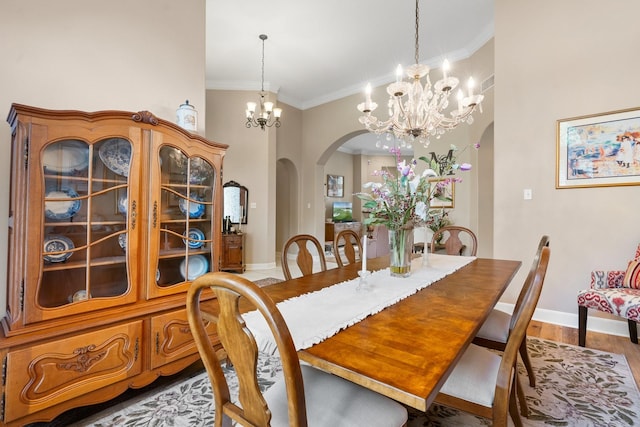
{"x":198,"y":265}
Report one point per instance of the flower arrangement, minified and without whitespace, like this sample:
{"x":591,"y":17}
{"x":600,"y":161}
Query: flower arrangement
{"x":401,"y":201}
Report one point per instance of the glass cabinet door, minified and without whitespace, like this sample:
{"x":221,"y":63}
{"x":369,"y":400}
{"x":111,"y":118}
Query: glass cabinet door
{"x":86,"y":222}
{"x":185,"y":211}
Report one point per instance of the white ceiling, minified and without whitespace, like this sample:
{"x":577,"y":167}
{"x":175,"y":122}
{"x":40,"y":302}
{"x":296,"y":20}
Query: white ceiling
{"x":325,"y":50}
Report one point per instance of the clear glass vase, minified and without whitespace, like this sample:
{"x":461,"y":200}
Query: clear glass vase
{"x":400,"y":249}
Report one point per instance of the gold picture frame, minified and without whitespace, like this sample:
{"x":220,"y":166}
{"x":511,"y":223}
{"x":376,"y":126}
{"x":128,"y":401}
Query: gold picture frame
{"x":444,"y":195}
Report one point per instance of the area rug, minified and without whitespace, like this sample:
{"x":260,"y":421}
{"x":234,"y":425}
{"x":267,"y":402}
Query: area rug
{"x":574,"y":387}
{"x":267,"y":282}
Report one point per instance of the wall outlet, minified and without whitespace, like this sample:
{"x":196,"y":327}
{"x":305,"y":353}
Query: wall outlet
{"x":527,"y":194}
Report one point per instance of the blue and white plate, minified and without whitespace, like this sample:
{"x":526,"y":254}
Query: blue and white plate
{"x":195,"y":238}
{"x":66,"y":157}
{"x":122,"y":204}
{"x":61,"y":209}
{"x":122,"y":241}
{"x":196,"y":210}
{"x":198,"y":265}
{"x":115,"y":153}
{"x":57,"y":243}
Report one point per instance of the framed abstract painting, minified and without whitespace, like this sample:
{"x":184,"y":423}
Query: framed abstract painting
{"x":599,"y":150}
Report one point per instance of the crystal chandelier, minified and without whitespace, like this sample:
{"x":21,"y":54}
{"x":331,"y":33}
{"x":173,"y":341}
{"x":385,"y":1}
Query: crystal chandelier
{"x":264,"y":117}
{"x":417,"y":112}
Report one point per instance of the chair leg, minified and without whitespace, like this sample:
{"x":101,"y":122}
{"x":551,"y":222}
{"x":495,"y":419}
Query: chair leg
{"x":524,"y":408}
{"x":633,"y":331}
{"x":524,"y":353}
{"x":582,"y":325}
{"x":513,"y":405}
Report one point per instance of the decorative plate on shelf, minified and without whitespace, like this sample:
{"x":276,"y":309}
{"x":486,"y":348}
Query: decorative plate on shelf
{"x":122,"y":241}
{"x":196,"y":236}
{"x":115,"y":153}
{"x":122,"y":204}
{"x":198,"y":265}
{"x":196,"y":210}
{"x":57,"y":243}
{"x":66,"y":157}
{"x":61,"y":209}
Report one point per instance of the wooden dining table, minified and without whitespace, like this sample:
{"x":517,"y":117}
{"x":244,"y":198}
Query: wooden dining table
{"x":407,"y":350}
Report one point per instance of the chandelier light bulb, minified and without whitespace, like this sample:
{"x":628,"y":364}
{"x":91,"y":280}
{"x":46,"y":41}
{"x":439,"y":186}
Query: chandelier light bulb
{"x":470,"y":85}
{"x":445,"y":68}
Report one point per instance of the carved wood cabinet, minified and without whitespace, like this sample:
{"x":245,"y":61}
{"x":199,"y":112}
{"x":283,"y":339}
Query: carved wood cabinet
{"x":232,"y":258}
{"x":111,"y":215}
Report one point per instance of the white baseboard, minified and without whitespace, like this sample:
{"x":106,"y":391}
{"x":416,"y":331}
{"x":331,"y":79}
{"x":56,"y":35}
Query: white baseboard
{"x":262,"y":266}
{"x":594,"y":324}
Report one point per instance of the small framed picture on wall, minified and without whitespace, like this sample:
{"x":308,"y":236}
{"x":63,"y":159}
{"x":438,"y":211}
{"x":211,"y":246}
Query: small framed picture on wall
{"x":444,"y":195}
{"x":335,"y":186}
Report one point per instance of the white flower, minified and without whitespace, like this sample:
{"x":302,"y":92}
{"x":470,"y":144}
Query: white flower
{"x":422,"y":210}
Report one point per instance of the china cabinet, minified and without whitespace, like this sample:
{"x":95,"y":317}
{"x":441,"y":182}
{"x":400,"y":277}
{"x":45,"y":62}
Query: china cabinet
{"x":111,"y":215}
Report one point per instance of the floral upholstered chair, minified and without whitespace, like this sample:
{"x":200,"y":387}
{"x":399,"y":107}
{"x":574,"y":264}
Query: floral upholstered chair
{"x":616,"y":292}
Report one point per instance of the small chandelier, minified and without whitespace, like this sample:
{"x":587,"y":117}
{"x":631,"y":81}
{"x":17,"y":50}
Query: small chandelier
{"x":417,"y":112}
{"x":264,"y":117}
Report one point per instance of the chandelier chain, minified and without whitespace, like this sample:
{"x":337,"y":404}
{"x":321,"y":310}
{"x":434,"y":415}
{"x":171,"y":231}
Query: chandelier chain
{"x":417,"y":32}
{"x":263,"y":38}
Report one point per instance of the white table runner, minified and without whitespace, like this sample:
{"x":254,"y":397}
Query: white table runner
{"x":318,"y":315}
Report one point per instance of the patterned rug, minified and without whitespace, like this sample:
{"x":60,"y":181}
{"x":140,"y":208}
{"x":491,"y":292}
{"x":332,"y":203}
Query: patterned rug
{"x":575,"y":387}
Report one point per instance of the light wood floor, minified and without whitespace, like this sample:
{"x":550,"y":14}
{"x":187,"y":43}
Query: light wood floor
{"x":597,"y":341}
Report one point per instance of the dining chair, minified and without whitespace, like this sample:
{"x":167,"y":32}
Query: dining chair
{"x":615,"y":292}
{"x":304,"y":259}
{"x":350,"y":241}
{"x":454,"y":244}
{"x":299,"y":394}
{"x":485,"y":383}
{"x":495,"y":331}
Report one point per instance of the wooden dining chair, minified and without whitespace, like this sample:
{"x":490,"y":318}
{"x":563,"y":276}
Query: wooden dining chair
{"x":495,"y":331}
{"x":300,"y":393}
{"x":350,"y":241}
{"x":304,"y":259}
{"x":485,"y":383}
{"x":454,"y":244}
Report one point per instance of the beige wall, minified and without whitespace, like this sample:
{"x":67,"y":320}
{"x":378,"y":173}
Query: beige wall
{"x":250,"y":161}
{"x":558,"y":60}
{"x":74,"y":54}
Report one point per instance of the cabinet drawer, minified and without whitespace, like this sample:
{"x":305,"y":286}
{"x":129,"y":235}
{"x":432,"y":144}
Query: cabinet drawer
{"x":47,"y":374}
{"x":172,"y":339}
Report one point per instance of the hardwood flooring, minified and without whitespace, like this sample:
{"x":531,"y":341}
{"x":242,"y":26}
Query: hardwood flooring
{"x":597,"y":341}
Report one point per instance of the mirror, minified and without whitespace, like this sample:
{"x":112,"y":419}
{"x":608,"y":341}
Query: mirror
{"x":236,"y":200}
